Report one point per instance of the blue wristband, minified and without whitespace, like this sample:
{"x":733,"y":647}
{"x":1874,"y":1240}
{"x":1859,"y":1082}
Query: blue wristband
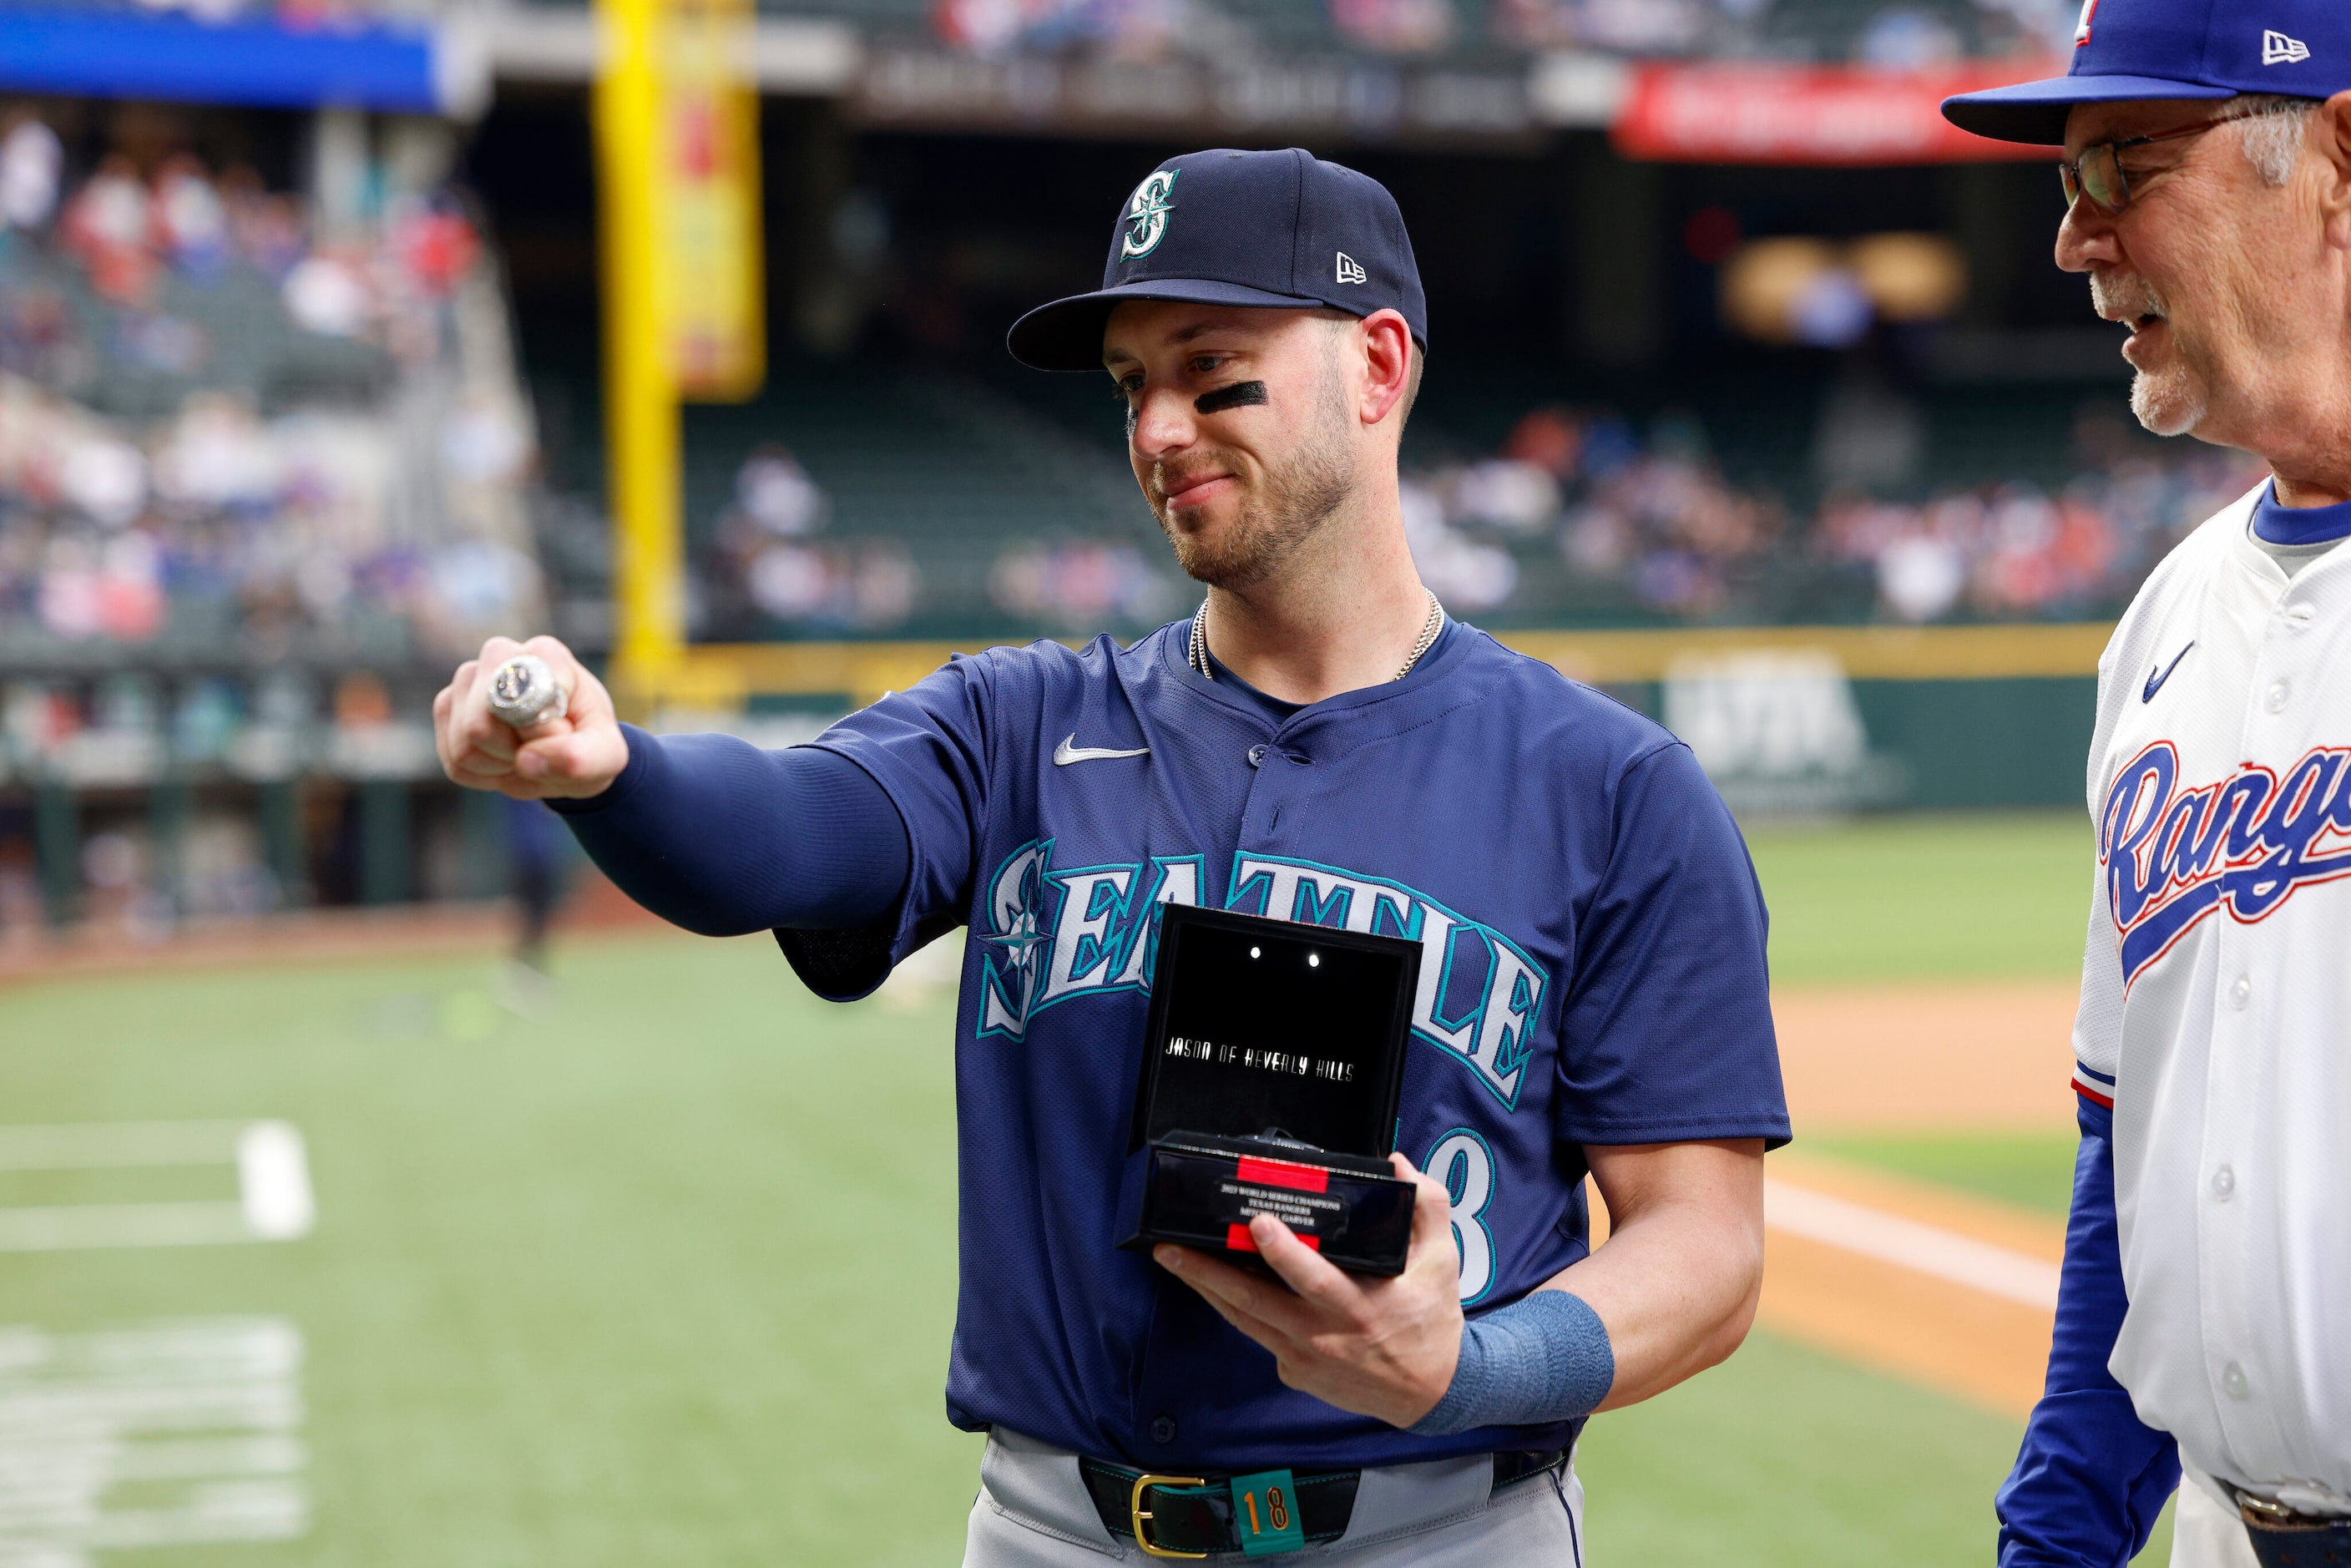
{"x":1540,"y":1360}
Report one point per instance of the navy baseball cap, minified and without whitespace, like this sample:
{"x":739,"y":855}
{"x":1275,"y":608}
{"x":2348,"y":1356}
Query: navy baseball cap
{"x":1282,"y":230}
{"x":2126,"y":50}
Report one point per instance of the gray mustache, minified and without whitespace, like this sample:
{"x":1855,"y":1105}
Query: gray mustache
{"x":2131,"y":296}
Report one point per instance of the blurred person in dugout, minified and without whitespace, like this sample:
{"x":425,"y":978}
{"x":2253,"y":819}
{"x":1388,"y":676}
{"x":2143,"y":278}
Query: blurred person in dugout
{"x":2204,"y":1315}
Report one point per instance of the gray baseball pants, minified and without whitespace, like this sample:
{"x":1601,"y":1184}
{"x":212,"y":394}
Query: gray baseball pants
{"x":1034,"y":1512}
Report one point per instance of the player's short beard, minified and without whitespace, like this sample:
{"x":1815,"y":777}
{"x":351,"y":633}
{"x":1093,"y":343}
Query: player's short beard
{"x":1297,"y":499}
{"x":2174,"y":400}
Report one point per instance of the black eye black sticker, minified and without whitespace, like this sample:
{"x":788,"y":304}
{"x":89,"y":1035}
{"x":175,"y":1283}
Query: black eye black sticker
{"x":1240,"y":394}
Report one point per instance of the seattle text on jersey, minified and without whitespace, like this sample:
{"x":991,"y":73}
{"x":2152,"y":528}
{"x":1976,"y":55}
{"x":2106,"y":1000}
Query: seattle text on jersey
{"x":2173,"y":855}
{"x":1092,"y":931}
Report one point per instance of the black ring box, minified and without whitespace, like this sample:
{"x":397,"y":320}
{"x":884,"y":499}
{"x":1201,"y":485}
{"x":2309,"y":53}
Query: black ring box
{"x":1273,"y":1060}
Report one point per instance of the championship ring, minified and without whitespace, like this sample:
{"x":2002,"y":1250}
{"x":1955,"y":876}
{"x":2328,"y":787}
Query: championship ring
{"x":525,"y":691}
{"x":1272,"y":1067}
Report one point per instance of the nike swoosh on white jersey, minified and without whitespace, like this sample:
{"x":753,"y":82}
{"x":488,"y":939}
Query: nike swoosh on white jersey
{"x":1068,"y":751}
{"x":2155,"y":678}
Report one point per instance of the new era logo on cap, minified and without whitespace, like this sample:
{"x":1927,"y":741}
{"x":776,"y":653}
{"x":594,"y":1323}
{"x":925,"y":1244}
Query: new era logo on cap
{"x":2277,"y":49}
{"x":2135,"y":51}
{"x":1350,"y":271}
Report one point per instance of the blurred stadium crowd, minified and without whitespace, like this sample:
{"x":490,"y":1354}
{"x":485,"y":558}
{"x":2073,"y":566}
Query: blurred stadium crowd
{"x":1580,"y":514}
{"x":1904,"y":34}
{"x":228,"y":420}
{"x":1657,"y":519}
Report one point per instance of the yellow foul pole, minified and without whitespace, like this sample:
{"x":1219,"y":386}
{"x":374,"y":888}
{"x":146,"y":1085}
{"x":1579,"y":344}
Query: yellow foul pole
{"x":641,"y":414}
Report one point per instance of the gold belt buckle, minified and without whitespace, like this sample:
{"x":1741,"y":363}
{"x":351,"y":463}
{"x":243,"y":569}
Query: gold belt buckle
{"x":1137,"y":1514}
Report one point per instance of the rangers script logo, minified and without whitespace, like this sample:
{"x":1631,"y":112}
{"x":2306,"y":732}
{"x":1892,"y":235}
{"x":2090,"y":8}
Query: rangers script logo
{"x":2245,"y":844}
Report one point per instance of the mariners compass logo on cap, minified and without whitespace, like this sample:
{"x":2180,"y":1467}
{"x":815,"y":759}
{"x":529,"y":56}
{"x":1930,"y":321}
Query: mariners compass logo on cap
{"x":1148,"y":213}
{"x":1279,"y":230}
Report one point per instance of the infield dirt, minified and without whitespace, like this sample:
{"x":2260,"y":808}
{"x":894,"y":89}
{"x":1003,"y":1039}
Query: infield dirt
{"x":1920,"y":1058}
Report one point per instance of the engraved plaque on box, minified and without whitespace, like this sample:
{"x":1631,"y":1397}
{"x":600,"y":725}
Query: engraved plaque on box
{"x":1272,"y":1062}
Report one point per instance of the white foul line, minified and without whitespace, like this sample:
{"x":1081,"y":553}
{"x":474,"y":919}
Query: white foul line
{"x":1910,"y":1244}
{"x":273,"y":1200}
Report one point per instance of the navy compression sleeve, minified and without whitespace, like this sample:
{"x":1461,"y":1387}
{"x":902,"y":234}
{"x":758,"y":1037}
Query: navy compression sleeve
{"x":2090,"y":1480}
{"x":714,"y":834}
{"x":1542,"y":1359}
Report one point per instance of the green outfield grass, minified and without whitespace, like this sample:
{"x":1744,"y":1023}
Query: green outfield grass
{"x":2032,"y":1170}
{"x":2003,"y":896}
{"x":667,"y":1275}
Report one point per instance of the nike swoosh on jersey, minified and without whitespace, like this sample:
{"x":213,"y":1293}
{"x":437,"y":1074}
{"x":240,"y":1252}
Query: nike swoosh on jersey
{"x":1068,"y":751}
{"x":2155,"y":678}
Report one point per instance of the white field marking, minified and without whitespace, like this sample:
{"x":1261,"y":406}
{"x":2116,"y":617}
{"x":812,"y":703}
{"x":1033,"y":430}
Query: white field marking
{"x":204,"y":1415}
{"x":112,"y":1145}
{"x":181,"y":1458}
{"x":273,"y":1200}
{"x":1911,"y":1244}
{"x":73,"y":1227}
{"x":273,"y":1172}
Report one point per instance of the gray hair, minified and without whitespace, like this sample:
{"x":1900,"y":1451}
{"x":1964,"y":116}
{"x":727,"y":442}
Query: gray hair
{"x":2274,"y":130}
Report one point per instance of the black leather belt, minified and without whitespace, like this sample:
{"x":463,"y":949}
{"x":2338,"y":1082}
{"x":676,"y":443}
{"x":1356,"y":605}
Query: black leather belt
{"x":1192,"y":1515}
{"x":2284,"y":1539}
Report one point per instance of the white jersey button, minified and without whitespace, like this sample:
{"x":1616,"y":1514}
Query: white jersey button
{"x":2232,"y":1378}
{"x":2224,"y":1182}
{"x":2301,"y":614}
{"x":2241,"y":992}
{"x":2279,"y":689}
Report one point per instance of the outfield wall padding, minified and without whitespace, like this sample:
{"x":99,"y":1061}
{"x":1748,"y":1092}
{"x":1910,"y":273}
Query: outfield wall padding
{"x":1983,"y":743}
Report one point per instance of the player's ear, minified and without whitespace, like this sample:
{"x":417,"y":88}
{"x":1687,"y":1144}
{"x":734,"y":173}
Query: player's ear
{"x":1386,"y":342}
{"x":2330,"y":137}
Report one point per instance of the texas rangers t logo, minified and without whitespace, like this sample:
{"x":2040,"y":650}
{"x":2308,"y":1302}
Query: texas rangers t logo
{"x":1147,"y":212}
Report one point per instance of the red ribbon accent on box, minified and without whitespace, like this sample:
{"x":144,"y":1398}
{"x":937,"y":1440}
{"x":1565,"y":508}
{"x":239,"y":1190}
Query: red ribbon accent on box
{"x":1282,"y":1172}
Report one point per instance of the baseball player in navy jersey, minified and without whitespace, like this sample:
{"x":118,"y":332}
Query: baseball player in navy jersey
{"x":2204,"y":1319}
{"x":1318,"y":743}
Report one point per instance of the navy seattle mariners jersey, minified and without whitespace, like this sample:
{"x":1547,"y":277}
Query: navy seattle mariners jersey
{"x":1594,"y":972}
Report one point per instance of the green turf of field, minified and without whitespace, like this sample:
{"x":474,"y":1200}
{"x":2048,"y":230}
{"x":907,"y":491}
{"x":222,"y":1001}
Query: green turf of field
{"x":2032,"y":1170}
{"x":667,"y":1275}
{"x":1998,"y":897}
{"x":1938,"y":899}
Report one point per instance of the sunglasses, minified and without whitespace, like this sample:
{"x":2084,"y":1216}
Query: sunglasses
{"x":2098,"y":173}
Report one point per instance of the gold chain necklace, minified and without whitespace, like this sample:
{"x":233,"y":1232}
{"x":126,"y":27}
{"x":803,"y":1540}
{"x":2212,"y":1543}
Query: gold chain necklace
{"x":1198,"y":655}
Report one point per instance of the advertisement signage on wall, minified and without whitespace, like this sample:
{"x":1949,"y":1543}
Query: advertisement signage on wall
{"x":1829,"y":116}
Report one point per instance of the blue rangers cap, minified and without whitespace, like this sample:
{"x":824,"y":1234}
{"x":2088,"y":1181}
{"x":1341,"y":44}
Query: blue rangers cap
{"x":2126,"y":50}
{"x":1282,"y":230}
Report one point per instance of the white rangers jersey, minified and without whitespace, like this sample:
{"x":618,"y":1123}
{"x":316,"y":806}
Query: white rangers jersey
{"x":2216,"y":1006}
